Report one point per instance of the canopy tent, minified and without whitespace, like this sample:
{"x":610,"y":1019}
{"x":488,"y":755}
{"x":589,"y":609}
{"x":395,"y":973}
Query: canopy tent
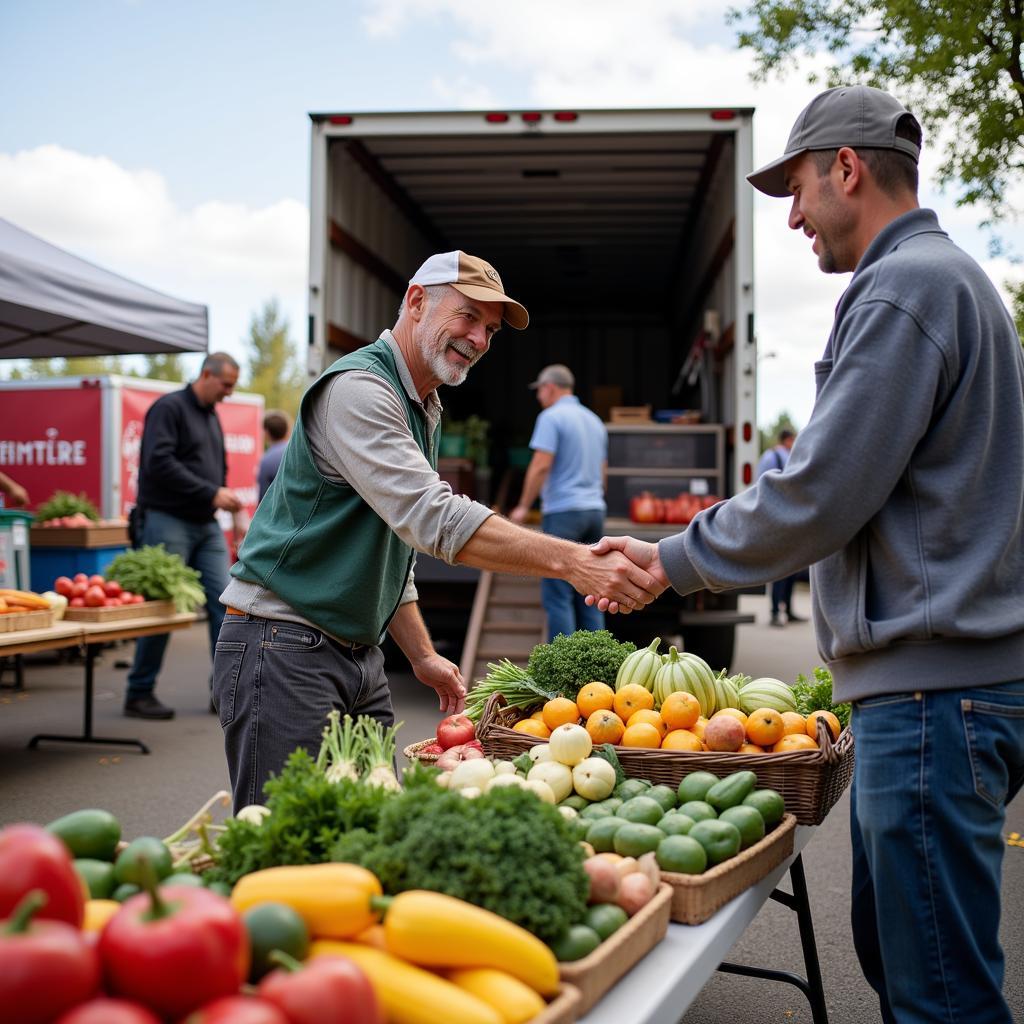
{"x":56,"y":304}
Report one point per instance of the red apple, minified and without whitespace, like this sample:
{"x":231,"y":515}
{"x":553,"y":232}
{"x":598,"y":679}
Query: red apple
{"x":94,"y":597}
{"x":454,"y":730}
{"x":455,"y":755}
{"x":432,"y":748}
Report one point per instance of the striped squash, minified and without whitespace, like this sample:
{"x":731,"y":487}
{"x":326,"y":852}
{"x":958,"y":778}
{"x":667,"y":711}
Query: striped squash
{"x":690,"y":674}
{"x":766,"y":692}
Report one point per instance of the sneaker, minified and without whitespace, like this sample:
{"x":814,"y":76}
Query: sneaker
{"x":790,"y":617}
{"x":147,"y":707}
{"x":776,"y":621}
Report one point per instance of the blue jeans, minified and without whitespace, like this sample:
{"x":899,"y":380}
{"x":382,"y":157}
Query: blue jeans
{"x":274,"y":683}
{"x":565,"y":608}
{"x":202,"y":546}
{"x":934,"y":773}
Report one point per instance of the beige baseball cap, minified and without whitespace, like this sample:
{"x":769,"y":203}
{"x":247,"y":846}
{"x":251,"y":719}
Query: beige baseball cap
{"x":558,"y":374}
{"x":475,"y":278}
{"x":850,"y":115}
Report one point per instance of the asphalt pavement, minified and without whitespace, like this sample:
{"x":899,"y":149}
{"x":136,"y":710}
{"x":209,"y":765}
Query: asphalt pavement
{"x":153,"y":795}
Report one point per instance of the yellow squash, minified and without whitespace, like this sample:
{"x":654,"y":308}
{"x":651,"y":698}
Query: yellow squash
{"x":434,"y":930}
{"x":98,"y":913}
{"x":409,"y":994}
{"x":516,"y":1002}
{"x":333,"y":899}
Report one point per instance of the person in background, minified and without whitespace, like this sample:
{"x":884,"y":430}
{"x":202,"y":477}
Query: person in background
{"x":182,"y":474}
{"x":277,"y":426}
{"x":568,"y":470}
{"x":12,"y":492}
{"x":775,"y":458}
{"x":327,"y":567}
{"x":905,"y":496}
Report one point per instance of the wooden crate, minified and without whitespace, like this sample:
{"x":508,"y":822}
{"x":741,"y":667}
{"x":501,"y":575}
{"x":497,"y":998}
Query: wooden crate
{"x":106,"y":536}
{"x":630,"y":414}
{"x":146,"y":610}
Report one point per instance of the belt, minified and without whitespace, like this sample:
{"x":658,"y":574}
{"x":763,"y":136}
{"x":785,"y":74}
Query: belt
{"x":228,"y":610}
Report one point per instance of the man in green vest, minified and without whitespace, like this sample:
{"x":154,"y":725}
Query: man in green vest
{"x":327,"y":565}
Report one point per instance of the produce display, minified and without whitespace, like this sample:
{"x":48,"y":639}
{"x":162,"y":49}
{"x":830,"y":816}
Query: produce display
{"x":67,"y":509}
{"x":17,"y":602}
{"x":158,"y":575}
{"x":96,"y":591}
{"x":647,"y":508}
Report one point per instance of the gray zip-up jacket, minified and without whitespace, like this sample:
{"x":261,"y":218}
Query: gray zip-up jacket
{"x":905,"y":491}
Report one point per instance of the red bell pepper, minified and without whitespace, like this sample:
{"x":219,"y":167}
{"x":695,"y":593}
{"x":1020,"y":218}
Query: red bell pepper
{"x":175,"y":949}
{"x":46,"y":967}
{"x":32,"y":858}
{"x":109,"y":1011}
{"x":237,"y":1010}
{"x":328,"y":990}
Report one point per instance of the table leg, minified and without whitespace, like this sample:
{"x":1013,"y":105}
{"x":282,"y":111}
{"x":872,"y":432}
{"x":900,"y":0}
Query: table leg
{"x":811,"y":986}
{"x":91,"y":650}
{"x":19,"y":673}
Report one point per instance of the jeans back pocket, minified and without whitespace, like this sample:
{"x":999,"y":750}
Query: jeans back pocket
{"x":994,"y":729}
{"x":227,"y":666}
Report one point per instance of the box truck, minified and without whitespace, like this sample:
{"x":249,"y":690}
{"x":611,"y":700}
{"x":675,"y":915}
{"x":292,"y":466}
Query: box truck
{"x":628,"y":236}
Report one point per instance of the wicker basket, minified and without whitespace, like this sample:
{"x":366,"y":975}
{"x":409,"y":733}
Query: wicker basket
{"x":595,"y":974}
{"x":413,"y":751}
{"x":810,"y":781}
{"x":695,"y":898}
{"x":143,"y":610}
{"x":563,"y":1009}
{"x":13,"y":622}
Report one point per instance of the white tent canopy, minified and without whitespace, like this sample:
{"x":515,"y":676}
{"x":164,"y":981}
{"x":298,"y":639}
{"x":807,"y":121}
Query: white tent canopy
{"x":56,"y":304}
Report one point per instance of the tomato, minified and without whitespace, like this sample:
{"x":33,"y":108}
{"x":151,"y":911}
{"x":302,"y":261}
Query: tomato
{"x":80,"y":577}
{"x":96,"y":580}
{"x":112,"y":588}
{"x":76,"y":602}
{"x":127,"y":597}
{"x":111,"y":602}
{"x":646,"y":508}
{"x":62,"y":585}
{"x":94,"y":597}
{"x":138,"y":599}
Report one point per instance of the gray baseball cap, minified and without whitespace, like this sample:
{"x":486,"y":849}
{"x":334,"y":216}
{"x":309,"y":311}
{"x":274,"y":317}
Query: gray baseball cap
{"x":850,"y":115}
{"x":558,"y":374}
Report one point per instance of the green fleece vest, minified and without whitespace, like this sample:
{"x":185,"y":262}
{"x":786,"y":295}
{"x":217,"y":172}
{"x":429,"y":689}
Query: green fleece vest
{"x":316,"y":544}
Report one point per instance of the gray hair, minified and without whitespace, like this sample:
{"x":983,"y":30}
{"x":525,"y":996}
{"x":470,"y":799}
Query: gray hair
{"x":217,"y":362}
{"x":435,"y":292}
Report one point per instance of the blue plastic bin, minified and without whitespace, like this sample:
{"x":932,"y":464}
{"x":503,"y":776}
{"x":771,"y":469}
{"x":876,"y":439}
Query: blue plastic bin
{"x":49,"y":563}
{"x":15,"y":564}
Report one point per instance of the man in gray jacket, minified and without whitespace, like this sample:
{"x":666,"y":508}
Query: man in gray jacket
{"x":916,"y":548}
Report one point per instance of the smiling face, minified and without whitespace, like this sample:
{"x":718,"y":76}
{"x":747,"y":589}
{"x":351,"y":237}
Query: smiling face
{"x":819,"y":210}
{"x":454,"y":333}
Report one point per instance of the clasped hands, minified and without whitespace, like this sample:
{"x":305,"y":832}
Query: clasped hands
{"x":624,"y":574}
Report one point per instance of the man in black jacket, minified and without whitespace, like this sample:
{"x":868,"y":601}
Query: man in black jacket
{"x":182,"y":471}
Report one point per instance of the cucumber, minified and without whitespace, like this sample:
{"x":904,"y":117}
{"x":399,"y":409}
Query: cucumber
{"x":731,"y":791}
{"x":91,"y":834}
{"x":695,"y":786}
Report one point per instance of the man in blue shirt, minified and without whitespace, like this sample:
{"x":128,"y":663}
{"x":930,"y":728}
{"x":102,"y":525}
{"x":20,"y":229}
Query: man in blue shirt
{"x":568,"y":471}
{"x":276,"y":428}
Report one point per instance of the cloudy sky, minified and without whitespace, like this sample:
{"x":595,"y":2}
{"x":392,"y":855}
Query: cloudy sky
{"x":170,"y":142}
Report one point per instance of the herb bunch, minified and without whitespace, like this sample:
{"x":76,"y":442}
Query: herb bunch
{"x":159,"y":575}
{"x":817,"y":696}
{"x":570,"y":662}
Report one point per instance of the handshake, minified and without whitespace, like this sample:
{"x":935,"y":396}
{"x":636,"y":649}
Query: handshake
{"x":620,"y":574}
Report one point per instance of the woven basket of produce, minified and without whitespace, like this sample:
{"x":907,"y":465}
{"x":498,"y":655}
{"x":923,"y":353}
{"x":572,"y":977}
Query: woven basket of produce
{"x":810,"y":781}
{"x":419,"y":751}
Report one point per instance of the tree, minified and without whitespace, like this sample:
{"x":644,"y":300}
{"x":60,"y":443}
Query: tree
{"x":274,"y":371}
{"x":770,"y":434}
{"x":72,"y":366}
{"x":956,"y":63}
{"x":165,"y":366}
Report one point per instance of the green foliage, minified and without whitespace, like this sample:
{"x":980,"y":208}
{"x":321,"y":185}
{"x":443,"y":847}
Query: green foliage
{"x":569,"y":662}
{"x":1016,"y":290}
{"x":957,"y":64}
{"x":273,"y":369}
{"x":73,"y":366}
{"x":159,"y":575}
{"x":506,"y":851}
{"x":308,"y":815}
{"x":165,"y":366}
{"x":64,"y":503}
{"x":770,"y":435}
{"x":817,"y":696}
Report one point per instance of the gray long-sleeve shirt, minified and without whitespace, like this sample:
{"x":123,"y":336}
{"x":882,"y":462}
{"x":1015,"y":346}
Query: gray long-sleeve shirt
{"x":358,"y":434}
{"x":905,"y":491}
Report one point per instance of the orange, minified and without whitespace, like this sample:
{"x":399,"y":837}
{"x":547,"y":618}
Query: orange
{"x":765,"y":727}
{"x":538,"y":715}
{"x":681,"y":739}
{"x":732,"y":713}
{"x":830,"y":720}
{"x":532,"y":728}
{"x":648,"y":715}
{"x":680,"y":710}
{"x":792,"y":723}
{"x":698,"y":727}
{"x":560,"y":711}
{"x":794,"y":742}
{"x":751,"y":748}
{"x":605,"y":727}
{"x":595,"y":697}
{"x":643,"y":734}
{"x":632,"y":698}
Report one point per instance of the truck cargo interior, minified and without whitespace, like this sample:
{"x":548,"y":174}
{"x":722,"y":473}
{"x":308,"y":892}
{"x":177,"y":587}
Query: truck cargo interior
{"x":625,"y":233}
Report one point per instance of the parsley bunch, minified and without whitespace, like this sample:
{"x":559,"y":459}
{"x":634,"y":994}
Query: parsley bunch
{"x":159,"y":575}
{"x":817,"y":696}
{"x":570,"y":662}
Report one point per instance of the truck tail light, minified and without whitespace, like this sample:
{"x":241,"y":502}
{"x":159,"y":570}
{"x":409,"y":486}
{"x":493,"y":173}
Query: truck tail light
{"x":723,"y":115}
{"x":566,"y":115}
{"x":340,"y":119}
{"x":495,"y":118}
{"x":748,"y":473}
{"x":748,"y":431}
{"x":530,"y":117}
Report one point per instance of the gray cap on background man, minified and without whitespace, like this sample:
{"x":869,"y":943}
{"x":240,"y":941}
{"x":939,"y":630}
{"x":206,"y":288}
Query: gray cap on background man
{"x":850,"y":115}
{"x":558,"y":374}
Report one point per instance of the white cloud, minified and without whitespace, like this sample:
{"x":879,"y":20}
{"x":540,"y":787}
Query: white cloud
{"x":226,"y":255}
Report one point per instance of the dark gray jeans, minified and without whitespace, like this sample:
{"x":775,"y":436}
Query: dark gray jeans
{"x":274,"y":683}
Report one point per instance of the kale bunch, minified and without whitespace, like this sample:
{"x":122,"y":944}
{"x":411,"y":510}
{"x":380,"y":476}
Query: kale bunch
{"x":570,"y":662}
{"x":505,"y":851}
{"x":817,"y":696}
